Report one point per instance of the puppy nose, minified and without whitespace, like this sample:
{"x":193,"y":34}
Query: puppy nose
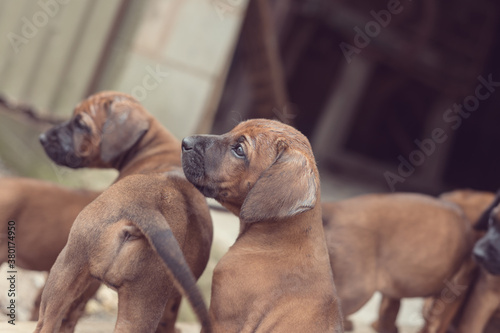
{"x":188,"y":143}
{"x":42,"y":138}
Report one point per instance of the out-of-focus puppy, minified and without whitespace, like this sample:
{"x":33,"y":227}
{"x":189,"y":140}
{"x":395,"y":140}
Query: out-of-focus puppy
{"x":402,"y":245}
{"x":42,"y":214}
{"x":484,"y":300}
{"x":442,"y":314}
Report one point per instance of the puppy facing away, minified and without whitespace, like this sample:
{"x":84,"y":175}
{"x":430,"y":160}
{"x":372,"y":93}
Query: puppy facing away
{"x":276,"y":277}
{"x":402,"y":245}
{"x":134,"y":237}
{"x":112,"y":130}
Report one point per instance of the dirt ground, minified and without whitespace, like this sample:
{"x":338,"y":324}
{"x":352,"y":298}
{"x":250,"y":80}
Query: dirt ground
{"x":92,"y":326}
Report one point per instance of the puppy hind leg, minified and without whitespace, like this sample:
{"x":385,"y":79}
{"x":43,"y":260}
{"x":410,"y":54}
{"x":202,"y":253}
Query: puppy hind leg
{"x":78,"y":308}
{"x":141,"y":304}
{"x":64,"y":285}
{"x":388,"y":312}
{"x":167,"y":321}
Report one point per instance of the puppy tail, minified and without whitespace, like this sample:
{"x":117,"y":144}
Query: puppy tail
{"x":482,"y":223}
{"x":162,"y":240}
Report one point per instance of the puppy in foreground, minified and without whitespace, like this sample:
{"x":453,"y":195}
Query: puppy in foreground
{"x":145,"y":236}
{"x":277,"y":276}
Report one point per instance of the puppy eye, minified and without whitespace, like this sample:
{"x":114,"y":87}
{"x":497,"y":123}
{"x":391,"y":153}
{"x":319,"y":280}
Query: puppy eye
{"x":239,"y":151}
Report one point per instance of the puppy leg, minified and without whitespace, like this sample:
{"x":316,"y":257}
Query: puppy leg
{"x":483,"y":302}
{"x":141,"y":303}
{"x":66,"y":282}
{"x":440,"y":309}
{"x":388,"y":312}
{"x":167,"y":322}
{"x":78,"y":308}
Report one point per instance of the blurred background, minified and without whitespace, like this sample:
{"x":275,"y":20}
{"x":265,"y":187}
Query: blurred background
{"x":394,"y":95}
{"x":362,"y":79}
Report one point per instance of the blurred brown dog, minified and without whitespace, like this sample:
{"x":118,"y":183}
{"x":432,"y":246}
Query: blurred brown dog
{"x":112,"y":130}
{"x":43,"y":214}
{"x":276,"y":277}
{"x":484,"y":300}
{"x":437,"y":313}
{"x":402,"y":245}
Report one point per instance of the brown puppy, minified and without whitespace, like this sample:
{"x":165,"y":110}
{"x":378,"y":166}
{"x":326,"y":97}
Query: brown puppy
{"x":437,"y":313}
{"x":43,"y":213}
{"x":121,"y":239}
{"x":473,"y":203}
{"x":484,"y":300}
{"x":276,"y":277}
{"x":402,"y":245}
{"x":112,"y":130}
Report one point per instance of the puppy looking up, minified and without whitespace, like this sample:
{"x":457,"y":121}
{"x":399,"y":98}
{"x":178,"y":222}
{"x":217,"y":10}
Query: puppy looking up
{"x":276,"y":277}
{"x":113,"y":130}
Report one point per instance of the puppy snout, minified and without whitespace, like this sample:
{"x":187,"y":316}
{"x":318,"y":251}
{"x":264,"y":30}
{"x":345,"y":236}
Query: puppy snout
{"x":197,"y":143}
{"x":188,"y":143}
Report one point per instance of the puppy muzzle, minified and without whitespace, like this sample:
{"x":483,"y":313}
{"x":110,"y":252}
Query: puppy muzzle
{"x":58,"y":144}
{"x":193,"y":161}
{"x":486,"y":256}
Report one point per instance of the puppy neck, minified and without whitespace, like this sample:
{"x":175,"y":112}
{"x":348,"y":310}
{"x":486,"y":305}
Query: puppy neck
{"x":298,"y":227}
{"x":157,"y":144}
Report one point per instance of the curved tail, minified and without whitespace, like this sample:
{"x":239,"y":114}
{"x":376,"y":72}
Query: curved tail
{"x":482,"y":223}
{"x":163,"y":241}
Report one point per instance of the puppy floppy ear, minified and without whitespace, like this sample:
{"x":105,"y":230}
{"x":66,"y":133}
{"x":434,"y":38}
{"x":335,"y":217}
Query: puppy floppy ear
{"x":483,"y":222}
{"x":122,"y":129}
{"x":288,"y":187}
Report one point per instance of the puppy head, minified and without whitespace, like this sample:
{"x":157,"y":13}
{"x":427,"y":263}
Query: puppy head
{"x":103,"y":127}
{"x":487,"y":249}
{"x":261,"y":170}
